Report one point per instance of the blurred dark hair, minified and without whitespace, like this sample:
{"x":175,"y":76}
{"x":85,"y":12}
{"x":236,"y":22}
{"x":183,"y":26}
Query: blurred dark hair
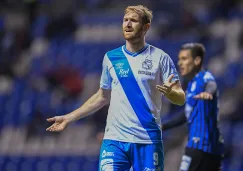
{"x":196,"y":49}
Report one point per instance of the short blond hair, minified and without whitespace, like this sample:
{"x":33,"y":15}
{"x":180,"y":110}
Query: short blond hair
{"x":145,"y":13}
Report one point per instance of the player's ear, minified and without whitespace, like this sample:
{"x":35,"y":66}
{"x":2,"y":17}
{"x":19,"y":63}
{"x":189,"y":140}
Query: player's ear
{"x":146,"y":27}
{"x":198,"y":60}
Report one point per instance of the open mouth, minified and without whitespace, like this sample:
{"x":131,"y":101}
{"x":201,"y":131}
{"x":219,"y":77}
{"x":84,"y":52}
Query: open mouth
{"x":128,"y":31}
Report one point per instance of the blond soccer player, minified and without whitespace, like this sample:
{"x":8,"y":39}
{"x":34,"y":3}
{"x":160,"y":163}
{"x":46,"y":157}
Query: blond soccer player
{"x":134,"y":77}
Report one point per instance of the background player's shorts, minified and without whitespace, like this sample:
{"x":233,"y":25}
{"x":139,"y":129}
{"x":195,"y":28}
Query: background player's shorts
{"x":121,"y":156}
{"x":196,"y":160}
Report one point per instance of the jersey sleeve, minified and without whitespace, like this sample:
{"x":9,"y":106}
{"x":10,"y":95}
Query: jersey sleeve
{"x":167,"y":68}
{"x":210,"y":84}
{"x":105,"y":80}
{"x":208,"y":77}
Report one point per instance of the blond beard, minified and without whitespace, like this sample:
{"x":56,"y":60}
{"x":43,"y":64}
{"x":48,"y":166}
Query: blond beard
{"x":134,"y":37}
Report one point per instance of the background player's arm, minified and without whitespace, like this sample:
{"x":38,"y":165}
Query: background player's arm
{"x":210,"y":89}
{"x":93,"y":104}
{"x":174,"y":122}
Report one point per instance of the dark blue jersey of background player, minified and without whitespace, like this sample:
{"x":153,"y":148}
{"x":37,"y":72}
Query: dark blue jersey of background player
{"x":201,"y":111}
{"x":202,"y":114}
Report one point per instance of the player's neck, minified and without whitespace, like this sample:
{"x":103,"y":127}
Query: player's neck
{"x":195,"y":72}
{"x":135,"y":47}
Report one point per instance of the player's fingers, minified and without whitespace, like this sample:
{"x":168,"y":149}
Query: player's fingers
{"x":161,"y":88}
{"x":162,"y":91}
{"x":164,"y":88}
{"x":158,"y":86}
{"x":49,"y":128}
{"x":198,"y":96}
{"x":167,"y":88}
{"x":170,"y":78}
{"x":206,"y":96}
{"x":52,"y":127}
{"x":51,"y":119}
{"x":165,"y":85}
{"x":210,"y":97}
{"x":56,"y":127}
{"x":174,"y":83}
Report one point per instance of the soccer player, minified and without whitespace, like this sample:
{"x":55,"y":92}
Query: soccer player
{"x":205,"y":145}
{"x":133,"y":76}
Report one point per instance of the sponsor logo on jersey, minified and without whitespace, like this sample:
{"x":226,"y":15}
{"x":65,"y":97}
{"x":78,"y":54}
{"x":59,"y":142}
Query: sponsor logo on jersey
{"x":146,"y":73}
{"x":107,"y":154}
{"x":119,"y":65}
{"x":124,"y":72}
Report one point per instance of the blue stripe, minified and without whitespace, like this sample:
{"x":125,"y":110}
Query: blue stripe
{"x":134,"y":93}
{"x":197,"y":132}
{"x":201,"y":123}
{"x":206,"y":129}
{"x":210,"y":133}
{"x":134,"y":54}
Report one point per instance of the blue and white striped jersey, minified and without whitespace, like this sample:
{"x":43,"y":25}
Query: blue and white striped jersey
{"x":202,"y":116}
{"x":135,"y":105}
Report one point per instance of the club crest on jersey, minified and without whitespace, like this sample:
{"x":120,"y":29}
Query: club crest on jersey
{"x":147,"y":64}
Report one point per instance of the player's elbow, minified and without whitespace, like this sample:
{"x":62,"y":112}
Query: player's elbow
{"x":104,"y":96}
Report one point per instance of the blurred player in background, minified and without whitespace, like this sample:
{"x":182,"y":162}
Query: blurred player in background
{"x":205,"y":145}
{"x":132,"y":77}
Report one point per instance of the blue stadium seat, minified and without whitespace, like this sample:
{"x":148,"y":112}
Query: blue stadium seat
{"x":39,"y":26}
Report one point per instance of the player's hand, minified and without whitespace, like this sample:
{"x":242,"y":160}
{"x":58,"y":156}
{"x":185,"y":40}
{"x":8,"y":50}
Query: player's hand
{"x":166,"y":88}
{"x":204,"y":96}
{"x":60,"y":123}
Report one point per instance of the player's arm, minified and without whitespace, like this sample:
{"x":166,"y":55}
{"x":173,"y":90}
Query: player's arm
{"x":210,"y":89}
{"x":174,"y":122}
{"x":171,"y":87}
{"x":172,"y":91}
{"x":93,"y":104}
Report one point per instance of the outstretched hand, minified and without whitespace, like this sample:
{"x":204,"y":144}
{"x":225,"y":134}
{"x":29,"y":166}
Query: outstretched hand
{"x":60,"y":123}
{"x":166,"y":88}
{"x":204,"y":96}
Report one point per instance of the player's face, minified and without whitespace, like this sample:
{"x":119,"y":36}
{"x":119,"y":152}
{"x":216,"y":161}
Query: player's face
{"x":186,"y":62}
{"x":132,"y":27}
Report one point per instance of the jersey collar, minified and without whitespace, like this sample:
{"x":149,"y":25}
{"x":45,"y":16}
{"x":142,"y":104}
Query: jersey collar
{"x":134,"y":54}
